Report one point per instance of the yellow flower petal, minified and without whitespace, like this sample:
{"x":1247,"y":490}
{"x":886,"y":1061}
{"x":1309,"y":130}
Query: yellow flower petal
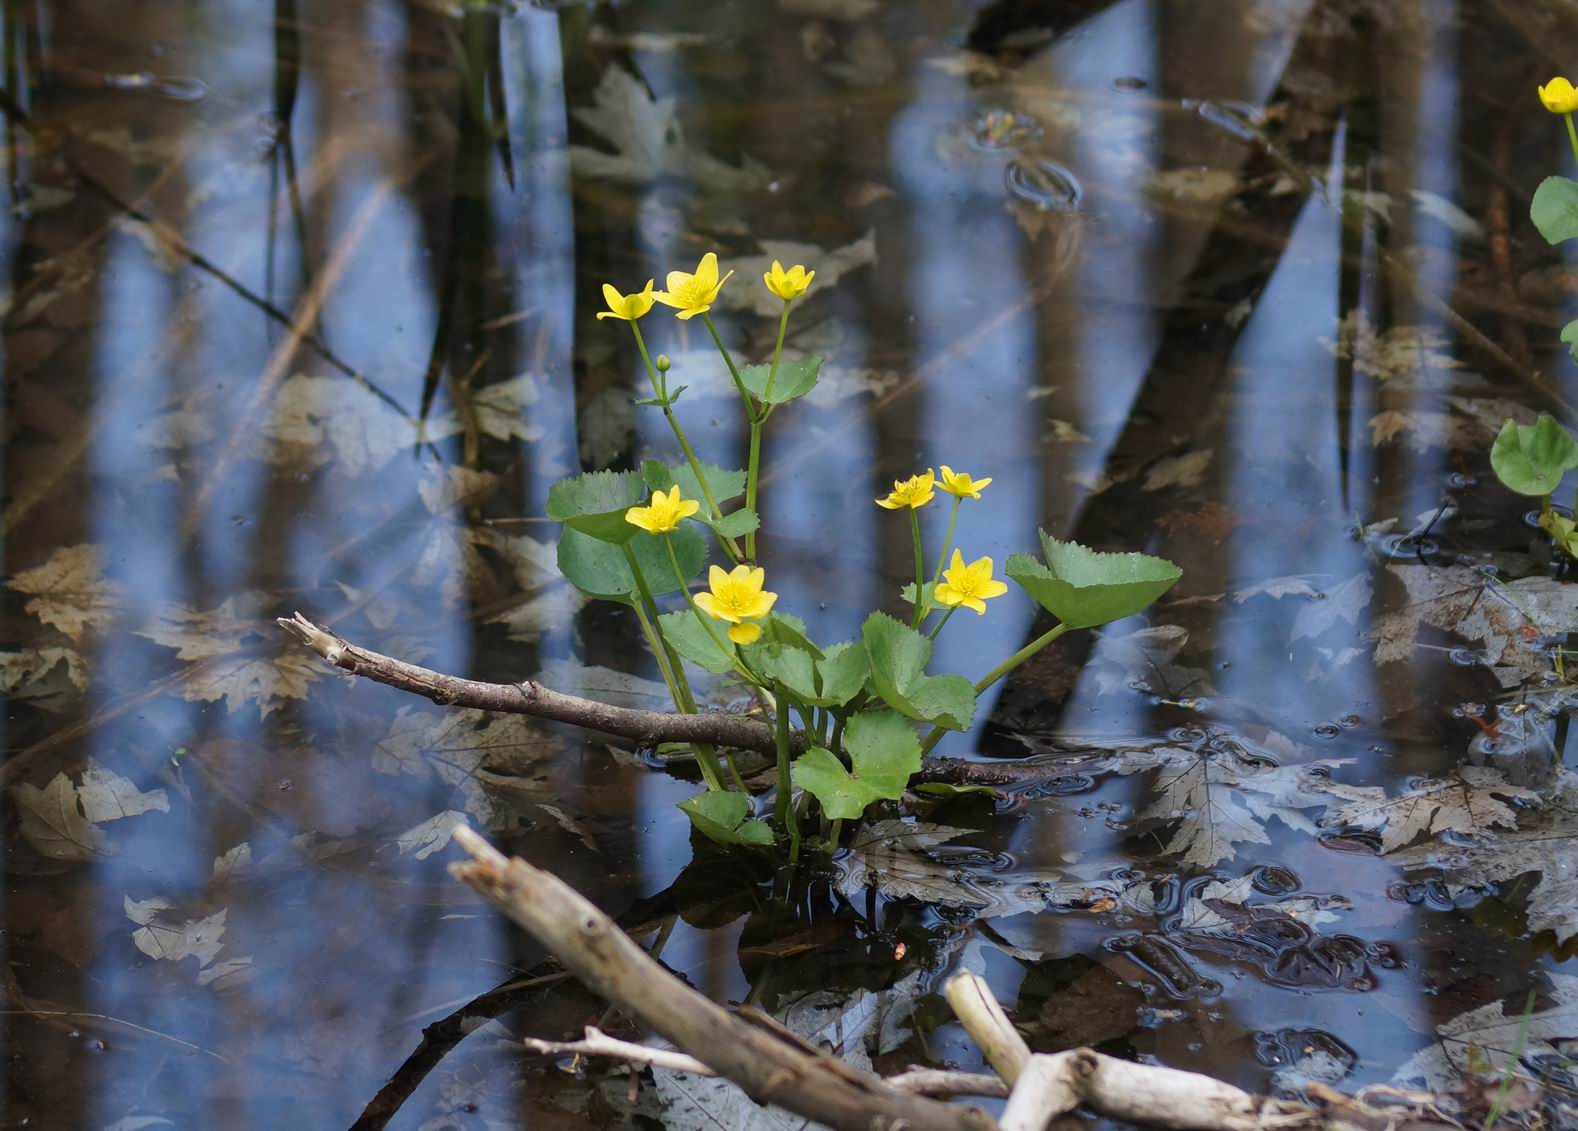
{"x":961,"y":484}
{"x":629,"y":307}
{"x":745,"y":633}
{"x":694,"y":293}
{"x":1559,"y":96}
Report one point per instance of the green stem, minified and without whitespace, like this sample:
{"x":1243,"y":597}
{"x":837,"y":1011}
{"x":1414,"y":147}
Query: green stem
{"x":783,"y":802}
{"x":942,"y":558}
{"x":745,"y":395}
{"x":832,"y":836}
{"x":838,"y":734}
{"x":932,"y":635}
{"x":660,"y":391}
{"x":685,"y":702}
{"x":920,"y":570}
{"x":752,"y":473}
{"x":999,"y":672}
{"x":778,"y":349}
{"x":654,"y":642}
{"x":1572,"y":135}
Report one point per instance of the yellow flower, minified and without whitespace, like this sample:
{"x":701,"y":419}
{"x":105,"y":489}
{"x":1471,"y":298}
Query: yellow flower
{"x":665,"y":513}
{"x":969,"y":585}
{"x":914,"y":492}
{"x":627,"y":307}
{"x":691,"y":294}
{"x":737,"y":597}
{"x":788,"y":284}
{"x":959,"y":483}
{"x":1559,"y":96}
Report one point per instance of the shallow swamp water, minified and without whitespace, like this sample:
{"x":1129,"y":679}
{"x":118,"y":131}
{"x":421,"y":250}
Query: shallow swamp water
{"x":299,"y":314}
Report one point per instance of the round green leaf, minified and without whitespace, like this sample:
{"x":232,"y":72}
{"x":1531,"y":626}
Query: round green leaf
{"x":1554,"y":209}
{"x":1084,"y":588}
{"x":599,"y":569}
{"x":794,"y":379}
{"x":1532,"y":458}
{"x":595,"y":503}
{"x":720,"y":816}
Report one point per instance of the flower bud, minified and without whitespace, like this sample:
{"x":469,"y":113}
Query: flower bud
{"x":662,"y":362}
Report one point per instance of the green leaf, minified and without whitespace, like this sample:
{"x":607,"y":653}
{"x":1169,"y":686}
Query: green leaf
{"x":1570,"y":336}
{"x":725,"y":485}
{"x":898,"y":657}
{"x":883,"y":751}
{"x":1532,"y":458}
{"x":786,"y":628}
{"x":829,"y":681}
{"x":929,"y":591}
{"x":595,"y":504}
{"x":843,"y":672}
{"x":793,"y":380}
{"x":599,"y":568}
{"x":794,"y":667}
{"x":736,"y":524}
{"x":721,"y":816}
{"x":1554,"y":209}
{"x":686,"y":636}
{"x":1084,"y":588}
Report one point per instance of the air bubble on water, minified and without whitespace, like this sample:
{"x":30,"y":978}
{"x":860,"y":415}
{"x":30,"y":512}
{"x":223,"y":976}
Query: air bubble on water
{"x":1327,"y":730}
{"x":1046,"y":186}
{"x":1234,"y":118}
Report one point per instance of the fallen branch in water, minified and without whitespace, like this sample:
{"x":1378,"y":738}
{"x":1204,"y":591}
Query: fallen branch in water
{"x":917,"y":1081}
{"x":773,"y":1065}
{"x":769,"y":1064}
{"x":531,"y":698}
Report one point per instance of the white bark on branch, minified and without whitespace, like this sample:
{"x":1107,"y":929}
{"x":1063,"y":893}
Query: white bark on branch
{"x":768,"y":1067}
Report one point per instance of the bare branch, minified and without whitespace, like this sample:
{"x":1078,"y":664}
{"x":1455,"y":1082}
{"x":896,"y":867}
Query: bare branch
{"x":531,"y":698}
{"x":768,"y":1068}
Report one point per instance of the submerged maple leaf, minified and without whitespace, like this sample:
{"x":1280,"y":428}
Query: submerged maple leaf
{"x":224,"y":644}
{"x":70,"y":592}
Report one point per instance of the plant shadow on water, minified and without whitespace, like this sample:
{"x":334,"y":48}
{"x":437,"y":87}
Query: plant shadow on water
{"x":300,"y":315}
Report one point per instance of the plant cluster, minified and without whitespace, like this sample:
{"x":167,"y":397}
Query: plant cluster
{"x":636,"y":537}
{"x":1532,"y":458}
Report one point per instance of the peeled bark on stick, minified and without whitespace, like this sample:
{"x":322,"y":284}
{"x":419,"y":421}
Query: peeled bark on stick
{"x":1118,"y":1089}
{"x":768,"y":1067}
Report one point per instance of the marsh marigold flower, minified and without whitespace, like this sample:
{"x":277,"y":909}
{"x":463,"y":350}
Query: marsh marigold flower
{"x":961,"y":484}
{"x":696,"y":292}
{"x":914,"y":492}
{"x":737,"y":598}
{"x":664,"y":514}
{"x":788,"y":284}
{"x":627,"y":307}
{"x":969,"y":585}
{"x":1559,"y":96}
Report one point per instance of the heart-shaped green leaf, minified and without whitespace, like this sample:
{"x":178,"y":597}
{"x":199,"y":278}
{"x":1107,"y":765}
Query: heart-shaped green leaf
{"x":1532,"y":458}
{"x":898,"y":656}
{"x":793,"y":380}
{"x":595,"y":504}
{"x":883,"y":752}
{"x":724,"y":485}
{"x":1084,"y":588}
{"x":736,"y":524}
{"x":1554,"y":209}
{"x":721,"y":816}
{"x":687,"y":636}
{"x":599,"y":569}
{"x":828,"y":681}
